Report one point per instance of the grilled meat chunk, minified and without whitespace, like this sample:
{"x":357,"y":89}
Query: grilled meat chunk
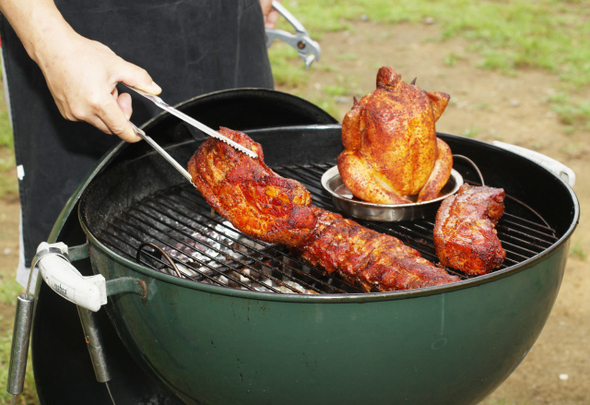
{"x":391,"y":151}
{"x":465,"y":236}
{"x":249,"y":194}
{"x":368,"y":257}
{"x":264,"y":205}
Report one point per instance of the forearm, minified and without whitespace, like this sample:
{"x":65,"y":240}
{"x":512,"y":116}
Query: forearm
{"x":39,"y":25}
{"x":81,"y":73}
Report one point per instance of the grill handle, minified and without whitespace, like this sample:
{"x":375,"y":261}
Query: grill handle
{"x":559,"y":169}
{"x":62,"y":277}
{"x":89,"y":292}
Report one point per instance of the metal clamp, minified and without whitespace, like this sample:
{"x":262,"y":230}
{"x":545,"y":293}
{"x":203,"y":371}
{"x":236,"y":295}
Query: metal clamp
{"x":308,"y":49}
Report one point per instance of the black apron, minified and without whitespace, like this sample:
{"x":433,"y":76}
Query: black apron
{"x":189,"y":48}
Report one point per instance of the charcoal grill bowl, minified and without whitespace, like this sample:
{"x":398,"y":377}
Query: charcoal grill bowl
{"x":443,"y":346}
{"x":446,"y":345}
{"x":215,"y":345}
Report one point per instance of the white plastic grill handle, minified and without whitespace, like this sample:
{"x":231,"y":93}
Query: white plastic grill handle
{"x":86,"y":291}
{"x":559,"y":169}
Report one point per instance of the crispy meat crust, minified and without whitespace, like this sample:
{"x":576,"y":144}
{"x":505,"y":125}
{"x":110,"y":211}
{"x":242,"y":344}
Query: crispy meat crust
{"x":465,"y":236}
{"x":391,"y":151}
{"x":264,"y":205}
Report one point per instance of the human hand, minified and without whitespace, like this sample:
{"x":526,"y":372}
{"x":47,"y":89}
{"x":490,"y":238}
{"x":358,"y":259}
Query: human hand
{"x":82,"y":76}
{"x":271,"y":16}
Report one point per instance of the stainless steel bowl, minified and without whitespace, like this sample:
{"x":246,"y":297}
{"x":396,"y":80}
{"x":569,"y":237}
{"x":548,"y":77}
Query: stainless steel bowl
{"x":349,"y":204}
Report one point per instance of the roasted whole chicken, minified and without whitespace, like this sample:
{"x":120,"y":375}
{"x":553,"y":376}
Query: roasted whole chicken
{"x":465,"y":236}
{"x":391,"y":152}
{"x":264,"y":205}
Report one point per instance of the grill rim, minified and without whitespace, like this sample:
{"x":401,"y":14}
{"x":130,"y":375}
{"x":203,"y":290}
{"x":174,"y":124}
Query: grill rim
{"x":107,"y":163}
{"x":332,"y":298}
{"x":342,"y":297}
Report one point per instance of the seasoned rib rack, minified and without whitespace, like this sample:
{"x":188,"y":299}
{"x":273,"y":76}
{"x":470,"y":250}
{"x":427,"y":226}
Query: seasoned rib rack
{"x":175,"y":231}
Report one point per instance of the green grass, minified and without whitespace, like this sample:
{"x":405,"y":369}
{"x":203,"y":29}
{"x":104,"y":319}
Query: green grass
{"x":8,"y":182}
{"x":510,"y":36}
{"x":578,"y":251}
{"x":9,"y":289}
{"x":548,"y":34}
{"x":571,"y":112}
{"x":471,"y":132}
{"x":29,"y":394}
{"x":287,"y":66}
{"x":499,"y":402}
{"x":6,"y":140}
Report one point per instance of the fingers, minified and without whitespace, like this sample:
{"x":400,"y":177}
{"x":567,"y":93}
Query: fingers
{"x":124,"y":101}
{"x":132,"y":76}
{"x":82,"y":76}
{"x":271,"y":16}
{"x":271,"y":19}
{"x":266,"y":6}
{"x":111,"y":116}
{"x":115,"y":112}
{"x":115,"y":116}
{"x":136,"y":77}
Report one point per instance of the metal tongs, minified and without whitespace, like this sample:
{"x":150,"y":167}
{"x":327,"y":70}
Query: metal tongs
{"x":189,"y":120}
{"x":308,"y":49}
{"x":162,"y":152}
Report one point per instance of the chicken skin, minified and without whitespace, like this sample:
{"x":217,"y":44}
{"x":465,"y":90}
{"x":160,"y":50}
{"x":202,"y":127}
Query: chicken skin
{"x":465,"y":236}
{"x":391,"y":152}
{"x":274,"y":209}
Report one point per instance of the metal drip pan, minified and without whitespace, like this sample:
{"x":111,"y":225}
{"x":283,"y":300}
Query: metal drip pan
{"x":349,"y":204}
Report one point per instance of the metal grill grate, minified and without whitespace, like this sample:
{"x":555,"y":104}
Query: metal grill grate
{"x":175,"y":231}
